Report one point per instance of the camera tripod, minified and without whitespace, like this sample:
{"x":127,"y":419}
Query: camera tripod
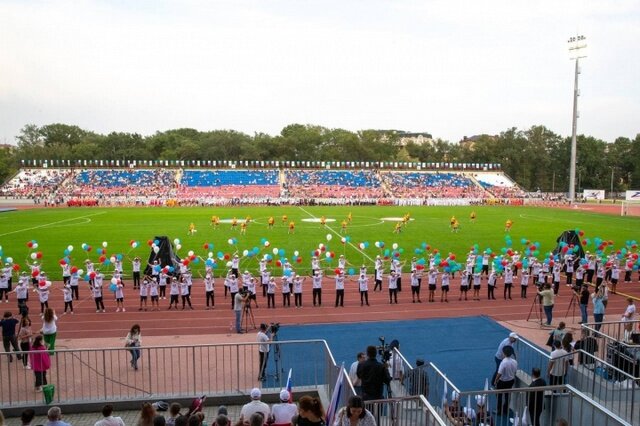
{"x":572,"y":304}
{"x":248,"y":319}
{"x":276,"y":359}
{"x":538,"y":312}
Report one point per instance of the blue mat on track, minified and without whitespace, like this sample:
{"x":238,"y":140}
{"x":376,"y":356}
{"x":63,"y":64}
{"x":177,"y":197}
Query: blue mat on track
{"x":462,"y":348}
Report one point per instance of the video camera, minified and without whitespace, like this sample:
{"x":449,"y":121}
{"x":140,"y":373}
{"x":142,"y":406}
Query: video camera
{"x":273,"y":327}
{"x":383,"y":350}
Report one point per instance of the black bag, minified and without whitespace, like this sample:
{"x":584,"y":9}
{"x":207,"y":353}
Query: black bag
{"x":161,"y":405}
{"x":550,"y":340}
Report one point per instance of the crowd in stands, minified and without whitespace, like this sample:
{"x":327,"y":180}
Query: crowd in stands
{"x":177,"y":187}
{"x":346,"y":184}
{"x":101,"y":183}
{"x":34,"y":183}
{"x":431,"y":185}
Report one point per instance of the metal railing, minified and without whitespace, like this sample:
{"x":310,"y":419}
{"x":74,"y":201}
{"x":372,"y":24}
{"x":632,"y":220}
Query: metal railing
{"x":404,"y":411}
{"x":615,"y":344}
{"x":537,"y":405}
{"x":106,"y":374}
{"x":607,"y":384}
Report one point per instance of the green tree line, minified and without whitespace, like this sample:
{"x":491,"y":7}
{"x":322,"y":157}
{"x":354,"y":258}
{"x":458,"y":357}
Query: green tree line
{"x":536,"y":158}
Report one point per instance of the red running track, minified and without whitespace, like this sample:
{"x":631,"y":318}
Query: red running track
{"x":86,"y":323}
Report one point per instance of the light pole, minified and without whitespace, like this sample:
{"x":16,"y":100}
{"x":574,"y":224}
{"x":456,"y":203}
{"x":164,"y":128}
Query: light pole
{"x":575,"y":45}
{"x":612,"y":169}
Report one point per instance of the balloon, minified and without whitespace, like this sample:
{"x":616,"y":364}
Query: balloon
{"x":112,"y":259}
{"x":176,"y":241}
{"x":245,"y":252}
{"x":267,"y":243}
{"x":377,"y":244}
{"x":9,"y":259}
{"x":105,"y":244}
{"x":394,"y":246}
{"x":80,"y":272}
{"x":190,"y":253}
{"x":156,"y":249}
{"x":361,"y":245}
{"x":16,"y":267}
{"x":351,"y":271}
{"x":62,"y":262}
{"x":70,"y":248}
{"x":337,"y":271}
{"x":299,"y":260}
{"x":275,"y":251}
{"x":296,"y":253}
{"x":210,"y":255}
{"x":92,"y":275}
{"x":178,"y":246}
{"x":34,"y":256}
{"x":35,"y":246}
{"x":329,"y":237}
{"x":29,"y":244}
{"x":343,"y":240}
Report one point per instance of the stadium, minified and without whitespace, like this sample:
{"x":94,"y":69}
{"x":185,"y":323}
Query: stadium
{"x":239,"y":267}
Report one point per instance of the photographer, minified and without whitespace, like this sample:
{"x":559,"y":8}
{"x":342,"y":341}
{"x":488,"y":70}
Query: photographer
{"x":547,"y":302}
{"x":239,"y":301}
{"x":374,"y":375}
{"x":265,"y":335}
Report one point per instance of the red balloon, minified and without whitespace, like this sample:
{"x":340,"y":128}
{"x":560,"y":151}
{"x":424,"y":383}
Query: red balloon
{"x":205,"y":246}
{"x":150,"y":243}
{"x":584,"y":242}
{"x":435,"y":251}
{"x":581,"y":233}
{"x":428,"y":247}
{"x":30,"y":244}
{"x":533,"y":247}
{"x":278,"y":263}
{"x":337,"y":271}
{"x":316,"y":253}
{"x":39,"y":255}
{"x":332,"y":254}
{"x":74,"y":269}
{"x":16,"y":267}
{"x":519,"y":265}
{"x":452,"y":257}
{"x":63,"y":262}
{"x":185,"y":262}
{"x":192,"y":257}
{"x":396,"y":254}
{"x":323,"y":248}
{"x":42,"y":283}
{"x":299,"y":260}
{"x":419,"y":267}
{"x":227,"y":256}
{"x":629,"y":265}
{"x":92,"y":275}
{"x":551,"y":263}
{"x":635,"y":256}
{"x":102,"y":258}
{"x":35,"y":273}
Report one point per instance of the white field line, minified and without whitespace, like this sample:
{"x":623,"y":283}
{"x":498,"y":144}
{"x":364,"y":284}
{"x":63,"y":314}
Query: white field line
{"x":50,"y":224}
{"x":337,"y":234}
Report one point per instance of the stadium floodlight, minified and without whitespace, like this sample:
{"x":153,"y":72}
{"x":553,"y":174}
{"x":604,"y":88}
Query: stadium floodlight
{"x":577,"y":45}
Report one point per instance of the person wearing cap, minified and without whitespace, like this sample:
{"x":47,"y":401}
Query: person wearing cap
{"x":283,"y":412}
{"x":548,"y":297}
{"x":393,"y":288}
{"x":505,"y":379}
{"x":317,"y":287}
{"x":509,"y":341}
{"x":255,"y":406}
{"x":22,"y":293}
{"x":378,"y":266}
{"x":235,"y":265}
{"x":482,"y":416}
{"x":454,"y":410}
{"x":135,"y":268}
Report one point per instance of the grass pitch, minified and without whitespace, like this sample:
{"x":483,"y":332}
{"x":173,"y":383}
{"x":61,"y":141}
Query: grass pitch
{"x":56,"y":229}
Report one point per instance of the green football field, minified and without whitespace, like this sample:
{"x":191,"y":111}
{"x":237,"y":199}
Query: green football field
{"x":54,"y":230}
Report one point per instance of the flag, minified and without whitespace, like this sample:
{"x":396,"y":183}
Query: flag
{"x":444,"y":395}
{"x":336,"y":396}
{"x":289,"y":385}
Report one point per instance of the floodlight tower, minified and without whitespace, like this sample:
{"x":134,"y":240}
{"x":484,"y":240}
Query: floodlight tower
{"x":576,"y":44}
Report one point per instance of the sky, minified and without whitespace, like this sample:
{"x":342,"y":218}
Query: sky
{"x":447,"y":67}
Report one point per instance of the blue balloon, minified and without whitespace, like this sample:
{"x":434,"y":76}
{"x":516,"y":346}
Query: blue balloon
{"x":156,"y":242}
{"x":287,"y":272}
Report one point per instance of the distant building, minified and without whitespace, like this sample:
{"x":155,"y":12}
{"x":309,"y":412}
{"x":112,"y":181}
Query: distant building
{"x":419,"y":138}
{"x":471,"y":141}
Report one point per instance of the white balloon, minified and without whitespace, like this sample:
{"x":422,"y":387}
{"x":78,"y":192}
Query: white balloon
{"x":296,"y":253}
{"x":320,"y":246}
{"x":329,"y":237}
{"x":210,"y":255}
{"x":105,"y":244}
{"x":114,"y":281}
{"x":112,"y":259}
{"x":70,"y":248}
{"x":245,"y":253}
{"x":178,"y":246}
{"x":134,"y":245}
{"x":9,"y":259}
{"x":327,"y":254}
{"x":190,"y":253}
{"x":275,"y":251}
{"x":230,"y":241}
{"x":156,"y":249}
{"x":395,"y":246}
{"x":34,"y":256}
{"x":35,"y":246}
{"x":176,"y":241}
{"x":80,"y":272}
{"x":229,"y":264}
